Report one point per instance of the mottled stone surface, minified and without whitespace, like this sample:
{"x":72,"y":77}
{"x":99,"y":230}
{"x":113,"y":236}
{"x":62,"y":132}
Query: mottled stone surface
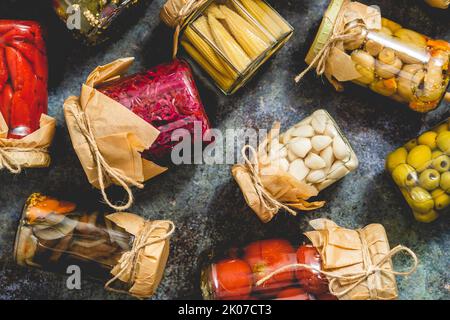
{"x":204,"y":201}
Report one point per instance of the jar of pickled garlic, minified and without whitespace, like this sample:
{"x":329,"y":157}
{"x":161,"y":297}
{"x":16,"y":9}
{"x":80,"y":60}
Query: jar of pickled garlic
{"x":54,"y":235}
{"x":355,"y":43}
{"x":91,"y":18}
{"x":233,"y":275}
{"x":23,"y":76}
{"x":441,"y":4}
{"x":229,"y":39}
{"x":421,"y":169}
{"x":294,"y":166}
{"x":167,"y":98}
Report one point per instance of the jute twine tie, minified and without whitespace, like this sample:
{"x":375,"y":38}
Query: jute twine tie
{"x":339,"y":34}
{"x":130,"y":259}
{"x":356,"y":278}
{"x":11,"y":164}
{"x":104,"y":170}
{"x":268,"y":201}
{"x":182,"y":15}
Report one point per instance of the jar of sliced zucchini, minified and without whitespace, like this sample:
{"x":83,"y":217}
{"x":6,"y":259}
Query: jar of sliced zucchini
{"x":229,"y":39}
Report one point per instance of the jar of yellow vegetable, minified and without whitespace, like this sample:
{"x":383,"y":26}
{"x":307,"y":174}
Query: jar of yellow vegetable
{"x":229,"y":39}
{"x":355,"y":43}
{"x":421,"y":169}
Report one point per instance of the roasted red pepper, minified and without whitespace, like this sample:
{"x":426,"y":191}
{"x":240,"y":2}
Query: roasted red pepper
{"x":23,"y":76}
{"x":167,"y":98}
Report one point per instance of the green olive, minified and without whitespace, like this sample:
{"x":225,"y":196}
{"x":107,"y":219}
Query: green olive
{"x":429,"y":179}
{"x":441,"y":163}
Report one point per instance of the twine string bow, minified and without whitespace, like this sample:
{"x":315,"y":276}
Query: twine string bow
{"x":104,"y":170}
{"x":269,"y":202}
{"x":352,"y":280}
{"x":130,"y":259}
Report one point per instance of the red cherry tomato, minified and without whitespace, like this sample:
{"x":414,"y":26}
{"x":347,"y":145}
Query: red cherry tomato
{"x":267,"y":256}
{"x":232,"y":279}
{"x":293,"y":294}
{"x":312,"y":281}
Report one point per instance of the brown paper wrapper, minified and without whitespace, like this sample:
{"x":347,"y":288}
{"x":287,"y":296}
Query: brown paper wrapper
{"x":120,"y":135}
{"x":267,"y":188}
{"x":32,"y":150}
{"x":345,"y":251}
{"x":175,"y":11}
{"x":148,"y":270}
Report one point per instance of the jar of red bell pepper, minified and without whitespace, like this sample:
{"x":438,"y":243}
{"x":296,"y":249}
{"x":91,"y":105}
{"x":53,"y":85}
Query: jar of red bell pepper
{"x":234,"y":275}
{"x":167,"y":98}
{"x":23,"y":76}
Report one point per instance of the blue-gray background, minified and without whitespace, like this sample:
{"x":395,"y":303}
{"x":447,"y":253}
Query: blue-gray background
{"x":204,"y":201}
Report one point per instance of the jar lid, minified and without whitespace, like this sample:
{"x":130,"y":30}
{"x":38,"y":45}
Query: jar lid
{"x":325,"y":29}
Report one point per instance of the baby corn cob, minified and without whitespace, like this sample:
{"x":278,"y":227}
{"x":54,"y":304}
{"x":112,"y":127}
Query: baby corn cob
{"x":201,"y":24}
{"x":205,"y":49}
{"x":262,"y":17}
{"x":274,"y":15}
{"x":222,"y":81}
{"x":264,"y":35}
{"x":228,"y":45}
{"x":215,"y":11}
{"x":243,"y":33}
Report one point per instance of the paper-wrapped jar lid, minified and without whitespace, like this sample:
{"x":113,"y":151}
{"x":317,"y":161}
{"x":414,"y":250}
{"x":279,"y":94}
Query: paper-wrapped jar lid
{"x":325,"y":29}
{"x":175,"y":10}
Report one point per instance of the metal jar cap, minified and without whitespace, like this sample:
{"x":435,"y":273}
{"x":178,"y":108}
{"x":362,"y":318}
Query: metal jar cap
{"x":325,"y":29}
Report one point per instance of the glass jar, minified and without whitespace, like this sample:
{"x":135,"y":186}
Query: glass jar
{"x":314,"y":151}
{"x":393,"y":61}
{"x":231,"y":39}
{"x":233,"y":275}
{"x":23,"y":76}
{"x":54,"y":234}
{"x":166,"y":97}
{"x":421,"y":169}
{"x":91,"y":18}
{"x":441,"y":4}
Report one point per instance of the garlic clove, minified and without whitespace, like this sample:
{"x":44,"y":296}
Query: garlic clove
{"x":298,"y":169}
{"x":338,"y":170}
{"x":315,"y":162}
{"x":340,"y":149}
{"x":327,"y":156}
{"x":303,"y":131}
{"x":320,"y":142}
{"x":325,"y":184}
{"x":300,"y":146}
{"x":319,"y":123}
{"x":291,"y":156}
{"x":315,"y":176}
{"x":331,"y":131}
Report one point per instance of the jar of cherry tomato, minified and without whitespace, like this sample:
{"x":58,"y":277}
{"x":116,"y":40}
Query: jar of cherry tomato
{"x":235,"y":274}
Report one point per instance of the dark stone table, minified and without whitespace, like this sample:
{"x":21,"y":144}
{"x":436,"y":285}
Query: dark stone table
{"x":204,"y":201}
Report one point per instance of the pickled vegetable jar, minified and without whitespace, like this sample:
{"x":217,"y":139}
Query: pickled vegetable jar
{"x":54,"y":235}
{"x":441,"y":4}
{"x":355,"y":43}
{"x":91,"y":18}
{"x":314,"y":151}
{"x":23,"y":76}
{"x":421,"y":169}
{"x":167,"y":98}
{"x":234,"y":275}
{"x":230,"y":39}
